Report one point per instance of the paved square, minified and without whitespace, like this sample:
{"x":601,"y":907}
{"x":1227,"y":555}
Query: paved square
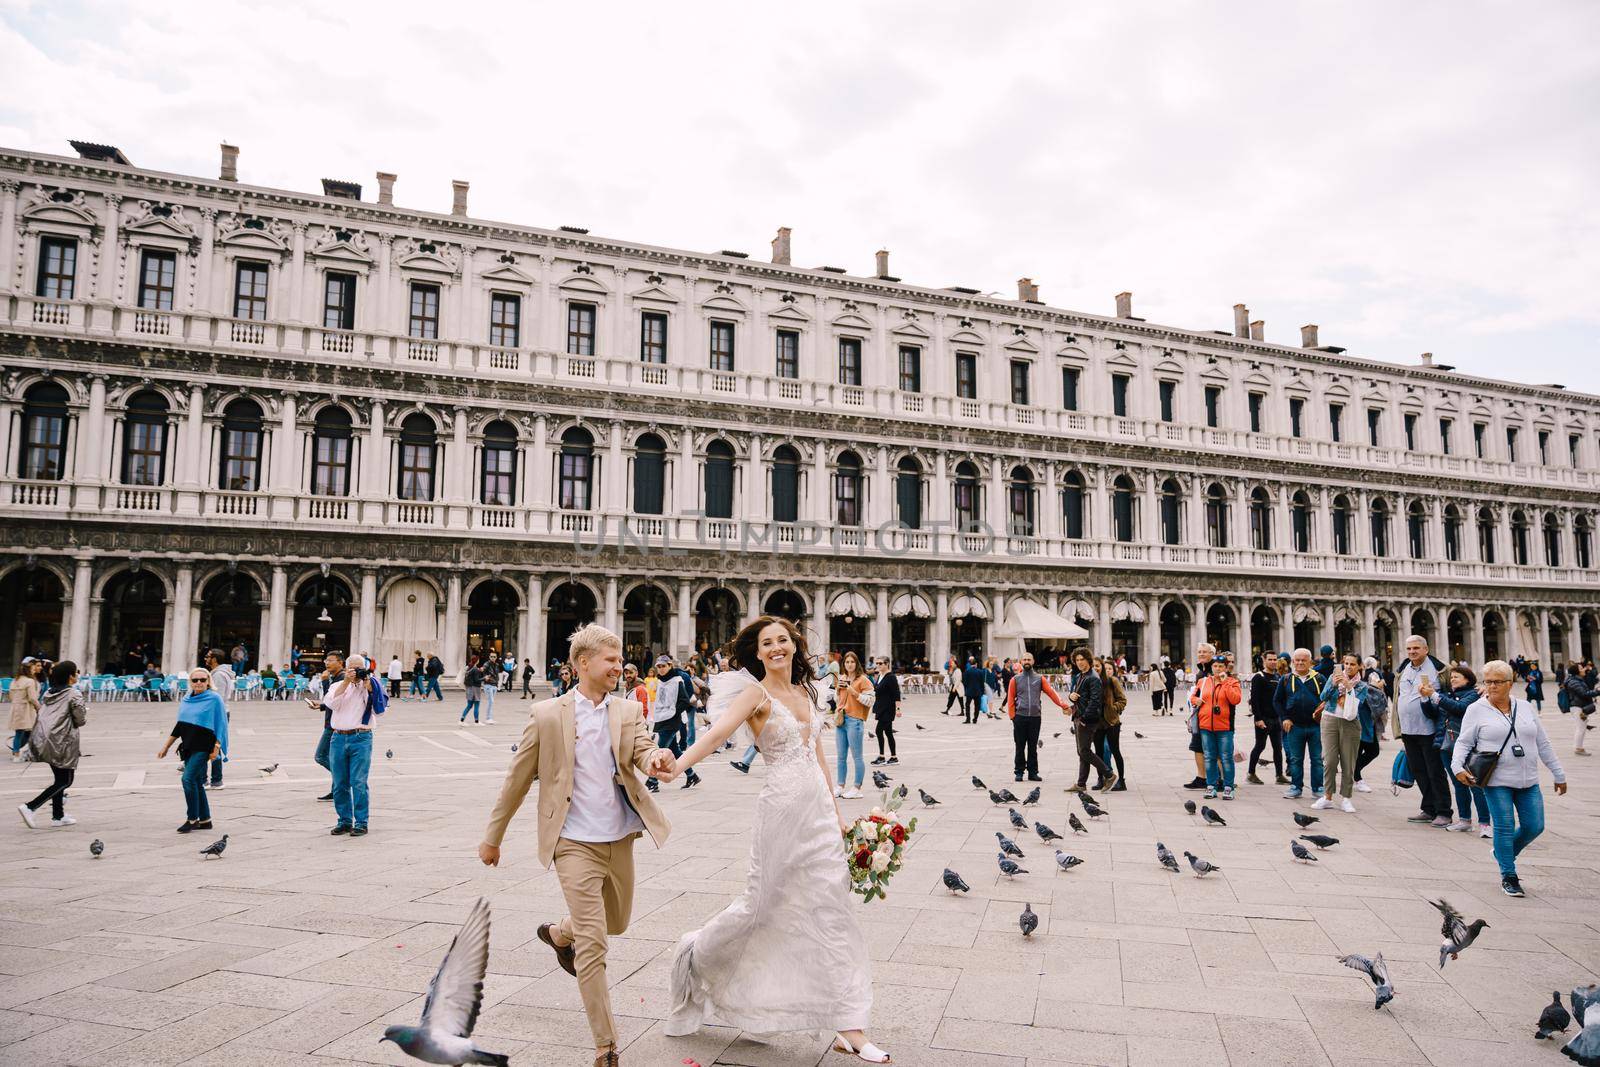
{"x":298,"y":948}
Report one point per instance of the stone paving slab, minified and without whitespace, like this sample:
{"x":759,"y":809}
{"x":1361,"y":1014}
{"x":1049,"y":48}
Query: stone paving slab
{"x":296,"y":948}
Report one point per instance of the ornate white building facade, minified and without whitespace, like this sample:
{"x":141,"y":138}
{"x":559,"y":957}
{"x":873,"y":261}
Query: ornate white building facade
{"x":233,"y":414}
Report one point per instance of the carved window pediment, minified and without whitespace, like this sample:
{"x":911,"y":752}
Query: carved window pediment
{"x":508,"y":274}
{"x":50,"y":208}
{"x":653,"y":294}
{"x":910,"y":331}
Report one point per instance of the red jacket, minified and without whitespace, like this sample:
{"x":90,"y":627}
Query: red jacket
{"x":1216,"y":699}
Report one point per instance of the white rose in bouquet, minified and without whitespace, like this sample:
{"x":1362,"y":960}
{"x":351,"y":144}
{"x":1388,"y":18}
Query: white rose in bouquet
{"x":880,"y":862}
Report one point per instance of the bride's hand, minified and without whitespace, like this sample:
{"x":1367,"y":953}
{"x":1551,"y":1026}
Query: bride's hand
{"x":844,"y":827}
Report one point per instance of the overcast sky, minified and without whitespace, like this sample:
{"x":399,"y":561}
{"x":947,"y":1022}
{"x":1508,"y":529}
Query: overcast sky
{"x":1411,"y":176}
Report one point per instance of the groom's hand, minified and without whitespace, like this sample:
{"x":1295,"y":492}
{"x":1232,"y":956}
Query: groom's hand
{"x":489,"y":854}
{"x":663,"y":765}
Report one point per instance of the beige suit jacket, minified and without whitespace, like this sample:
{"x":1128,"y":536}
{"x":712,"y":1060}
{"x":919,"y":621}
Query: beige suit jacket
{"x":546,"y":752}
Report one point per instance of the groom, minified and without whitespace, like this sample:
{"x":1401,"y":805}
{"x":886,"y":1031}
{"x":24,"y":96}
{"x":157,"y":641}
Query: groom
{"x":585,"y":747}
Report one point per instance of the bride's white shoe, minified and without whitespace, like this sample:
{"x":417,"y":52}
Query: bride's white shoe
{"x":868,"y":1051}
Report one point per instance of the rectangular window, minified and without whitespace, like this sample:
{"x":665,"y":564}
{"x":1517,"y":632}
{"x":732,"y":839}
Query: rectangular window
{"x":849,"y":361}
{"x":910,"y":369}
{"x":58,"y":267}
{"x":1020,"y":391}
{"x":1169,"y":393}
{"x":44,"y":444}
{"x":1574,"y":442}
{"x":1544,"y":447}
{"x":144,"y":452}
{"x":1480,"y":431}
{"x":1336,"y":421}
{"x":967,"y":375}
{"x":1119,"y":395}
{"x":505,"y":320}
{"x":652,"y":337}
{"x":250,"y":292}
{"x":1069,"y":388}
{"x":1410,"y":421}
{"x":416,"y":471}
{"x":1213,"y":406}
{"x":1297,"y":410}
{"x":580,"y":329}
{"x":1444,"y":435}
{"x":788,"y":354}
{"x":330,"y":466}
{"x":721,"y":346}
{"x":424,"y":322}
{"x":158,"y":274}
{"x":499,"y":476}
{"x":1374,"y":423}
{"x":241,"y":458}
{"x":1258,"y":402}
{"x":339,"y":301}
{"x":1511,"y":444}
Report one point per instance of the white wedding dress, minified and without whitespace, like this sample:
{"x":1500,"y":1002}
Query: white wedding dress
{"x":788,"y":954}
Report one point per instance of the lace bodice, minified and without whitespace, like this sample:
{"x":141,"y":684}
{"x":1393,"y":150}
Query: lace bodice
{"x":784,"y":739}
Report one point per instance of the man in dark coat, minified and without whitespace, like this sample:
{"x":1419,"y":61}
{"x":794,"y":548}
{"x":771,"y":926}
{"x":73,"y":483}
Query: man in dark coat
{"x":973,"y":682}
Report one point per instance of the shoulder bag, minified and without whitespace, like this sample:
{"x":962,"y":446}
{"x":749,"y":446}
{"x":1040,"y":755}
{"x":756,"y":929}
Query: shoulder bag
{"x":1481,"y":764}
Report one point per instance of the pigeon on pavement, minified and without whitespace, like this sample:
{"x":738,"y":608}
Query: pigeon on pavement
{"x":1066,"y":860}
{"x":902,"y":791}
{"x":215,"y":848}
{"x":1087,"y":801}
{"x":953,"y":882}
{"x":266,"y":771}
{"x":1304,"y":820}
{"x":880,"y":779}
{"x":1301,"y":853}
{"x":1376,"y":970}
{"x":1164,"y":854}
{"x":454,"y":997}
{"x":1320,"y":840}
{"x":1137,"y":734}
{"x":977,"y":783}
{"x":513,"y":746}
{"x":1553,"y":1020}
{"x":928,"y":800}
{"x":1008,"y":796}
{"x":1200,"y":867}
{"x":388,"y":753}
{"x":1212,"y":817}
{"x":1009,"y":868}
{"x":1076,"y":823}
{"x":96,"y":847}
{"x":1028,"y":920}
{"x":1031,"y":798}
{"x":1458,"y":934}
{"x":1016,"y":819}
{"x":919,"y":726}
{"x":996,"y":798}
{"x":1008,"y":846}
{"x":1094,"y":811}
{"x":1189,"y":806}
{"x":1045,"y":833}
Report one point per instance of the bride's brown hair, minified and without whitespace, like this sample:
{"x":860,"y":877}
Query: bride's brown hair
{"x":744,"y":653}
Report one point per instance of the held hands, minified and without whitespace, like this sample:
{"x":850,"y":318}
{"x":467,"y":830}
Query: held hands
{"x":662,"y":765}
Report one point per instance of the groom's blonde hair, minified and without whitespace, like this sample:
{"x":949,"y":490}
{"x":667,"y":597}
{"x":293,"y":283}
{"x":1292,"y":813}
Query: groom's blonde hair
{"x":589,"y":640}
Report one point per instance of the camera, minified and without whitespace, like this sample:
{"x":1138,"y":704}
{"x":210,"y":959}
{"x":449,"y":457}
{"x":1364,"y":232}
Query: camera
{"x":363,"y":673}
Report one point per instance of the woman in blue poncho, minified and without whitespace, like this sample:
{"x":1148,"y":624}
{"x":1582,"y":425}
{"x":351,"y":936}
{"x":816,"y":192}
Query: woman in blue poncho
{"x":202,"y":735}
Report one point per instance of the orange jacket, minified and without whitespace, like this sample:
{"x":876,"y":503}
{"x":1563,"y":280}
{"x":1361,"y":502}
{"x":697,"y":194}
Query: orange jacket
{"x":1216,"y":700}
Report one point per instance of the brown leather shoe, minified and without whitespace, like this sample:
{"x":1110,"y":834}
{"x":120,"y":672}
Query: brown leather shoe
{"x":564,"y":956}
{"x":608,"y":1058}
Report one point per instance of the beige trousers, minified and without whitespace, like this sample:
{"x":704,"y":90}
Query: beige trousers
{"x":1341,"y":742}
{"x":597,"y":880}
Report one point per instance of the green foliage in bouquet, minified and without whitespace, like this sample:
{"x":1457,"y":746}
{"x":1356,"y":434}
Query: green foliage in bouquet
{"x":875,"y":847}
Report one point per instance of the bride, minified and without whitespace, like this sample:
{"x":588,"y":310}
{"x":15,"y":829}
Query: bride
{"x":788,"y":954}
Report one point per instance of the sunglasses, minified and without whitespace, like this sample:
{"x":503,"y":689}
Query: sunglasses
{"x":202,"y":679}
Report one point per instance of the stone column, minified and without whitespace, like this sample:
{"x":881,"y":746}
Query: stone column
{"x":1474,"y":636}
{"x":1150,"y":632}
{"x":297,"y":275}
{"x":458,"y":472}
{"x":880,"y":502}
{"x":273,"y":647}
{"x":1329,"y":628}
{"x":881,"y":640}
{"x":192,"y":453}
{"x":8,"y":230}
{"x":1369,"y":631}
{"x":77,"y":630}
{"x":821,"y":492}
{"x":752,"y":601}
{"x":996,"y":510}
{"x":367,"y":611}
{"x":614,"y":475}
{"x":92,"y":466}
{"x":183,"y":642}
{"x":755,"y":483}
{"x":111,"y":252}
{"x":539,"y":460}
{"x":375,"y":484}
{"x":939,"y":500}
{"x":382,"y":286}
{"x":939,"y":629}
{"x":613,"y":620}
{"x":1102,"y":625}
{"x":1543,"y":638}
{"x":454,"y":627}
{"x":533,"y":625}
{"x":683,"y":624}
{"x":818,"y":637}
{"x":688,"y":478}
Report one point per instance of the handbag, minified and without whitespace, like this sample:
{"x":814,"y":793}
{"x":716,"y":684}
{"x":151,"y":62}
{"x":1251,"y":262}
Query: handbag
{"x":1481,"y":764}
{"x":1400,"y":776}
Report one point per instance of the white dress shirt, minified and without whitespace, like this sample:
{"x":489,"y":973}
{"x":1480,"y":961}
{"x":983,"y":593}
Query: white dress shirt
{"x":599,"y":812}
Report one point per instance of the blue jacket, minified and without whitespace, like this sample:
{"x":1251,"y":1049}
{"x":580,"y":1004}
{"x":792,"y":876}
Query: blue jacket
{"x":1297,"y":701}
{"x":1453,"y":708}
{"x":973,"y":680}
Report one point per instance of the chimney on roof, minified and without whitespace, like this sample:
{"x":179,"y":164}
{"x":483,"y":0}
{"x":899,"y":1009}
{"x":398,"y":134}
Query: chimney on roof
{"x":459,"y":204}
{"x":883,"y":262}
{"x":230,"y":164}
{"x":1124,"y":305}
{"x":1241,"y":321}
{"x":1427,"y":359}
{"x":1027,"y":292}
{"x":1308,"y":336}
{"x":1258,"y":330}
{"x":780,"y":247}
{"x":386,"y":189}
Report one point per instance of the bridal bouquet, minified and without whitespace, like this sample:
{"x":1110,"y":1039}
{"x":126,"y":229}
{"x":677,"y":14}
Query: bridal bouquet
{"x":875,"y":845}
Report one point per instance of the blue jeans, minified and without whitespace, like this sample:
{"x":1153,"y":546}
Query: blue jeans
{"x":352,"y":758}
{"x":323,"y":744}
{"x":416,"y":685}
{"x":432,"y":687}
{"x":749,"y":757}
{"x":848,"y":739}
{"x":1465,"y":795}
{"x":18,"y":739}
{"x":194,"y":795}
{"x":1297,"y":742}
{"x":488,"y":700}
{"x":690,"y":727}
{"x":1518,"y":816}
{"x":472,"y":706}
{"x":1218,"y":747}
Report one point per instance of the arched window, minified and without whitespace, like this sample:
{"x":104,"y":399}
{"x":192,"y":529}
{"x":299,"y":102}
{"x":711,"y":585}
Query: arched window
{"x":1417,"y":529}
{"x":1216,"y":516}
{"x":1343,"y":516}
{"x":242,"y":434}
{"x":1122,"y":524}
{"x":785,"y":484}
{"x":1583,"y":541}
{"x":144,"y":440}
{"x":847,"y":489}
{"x":1552,"y":540}
{"x":1072,"y":505}
{"x":719,"y":480}
{"x":330,"y":452}
{"x":1171,"y":513}
{"x":498,"y":477}
{"x":1300,"y":521}
{"x":1452,"y":533}
{"x":1020,"y":502}
{"x":1486,"y":538}
{"x":1260,"y":520}
{"x":576,"y":471}
{"x":1380,"y":527}
{"x":649,"y":475}
{"x":418,"y":448}
{"x":908,"y":493}
{"x":1519,"y":538}
{"x":44,"y":433}
{"x":968,"y":496}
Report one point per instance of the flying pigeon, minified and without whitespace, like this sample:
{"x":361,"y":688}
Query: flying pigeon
{"x":1032,"y":797}
{"x":1008,"y":846}
{"x":1066,"y":860}
{"x":388,"y":753}
{"x":1028,"y":920}
{"x":1301,"y":853}
{"x":1212,"y":817}
{"x":1553,"y":1020}
{"x":96,"y":847}
{"x":1076,"y":823}
{"x":1320,"y":840}
{"x":266,"y":771}
{"x":1304,"y":820}
{"x":1164,"y":854}
{"x":1188,"y":806}
{"x":1585,"y":1048}
{"x":953,"y":882}
{"x":880,"y":779}
{"x":1009,"y":868}
{"x":215,"y":848}
{"x":928,"y":800}
{"x":1016,"y":819}
{"x":1137,"y":734}
{"x":919,"y":726}
{"x":1045,"y":833}
{"x":1200,"y":867}
{"x":1376,"y":970}
{"x":996,"y":798}
{"x":1457,"y":934}
{"x":1008,"y":796}
{"x":1095,"y":811}
{"x":454,"y":997}
{"x":977,"y":783}
{"x":1582,"y":997}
